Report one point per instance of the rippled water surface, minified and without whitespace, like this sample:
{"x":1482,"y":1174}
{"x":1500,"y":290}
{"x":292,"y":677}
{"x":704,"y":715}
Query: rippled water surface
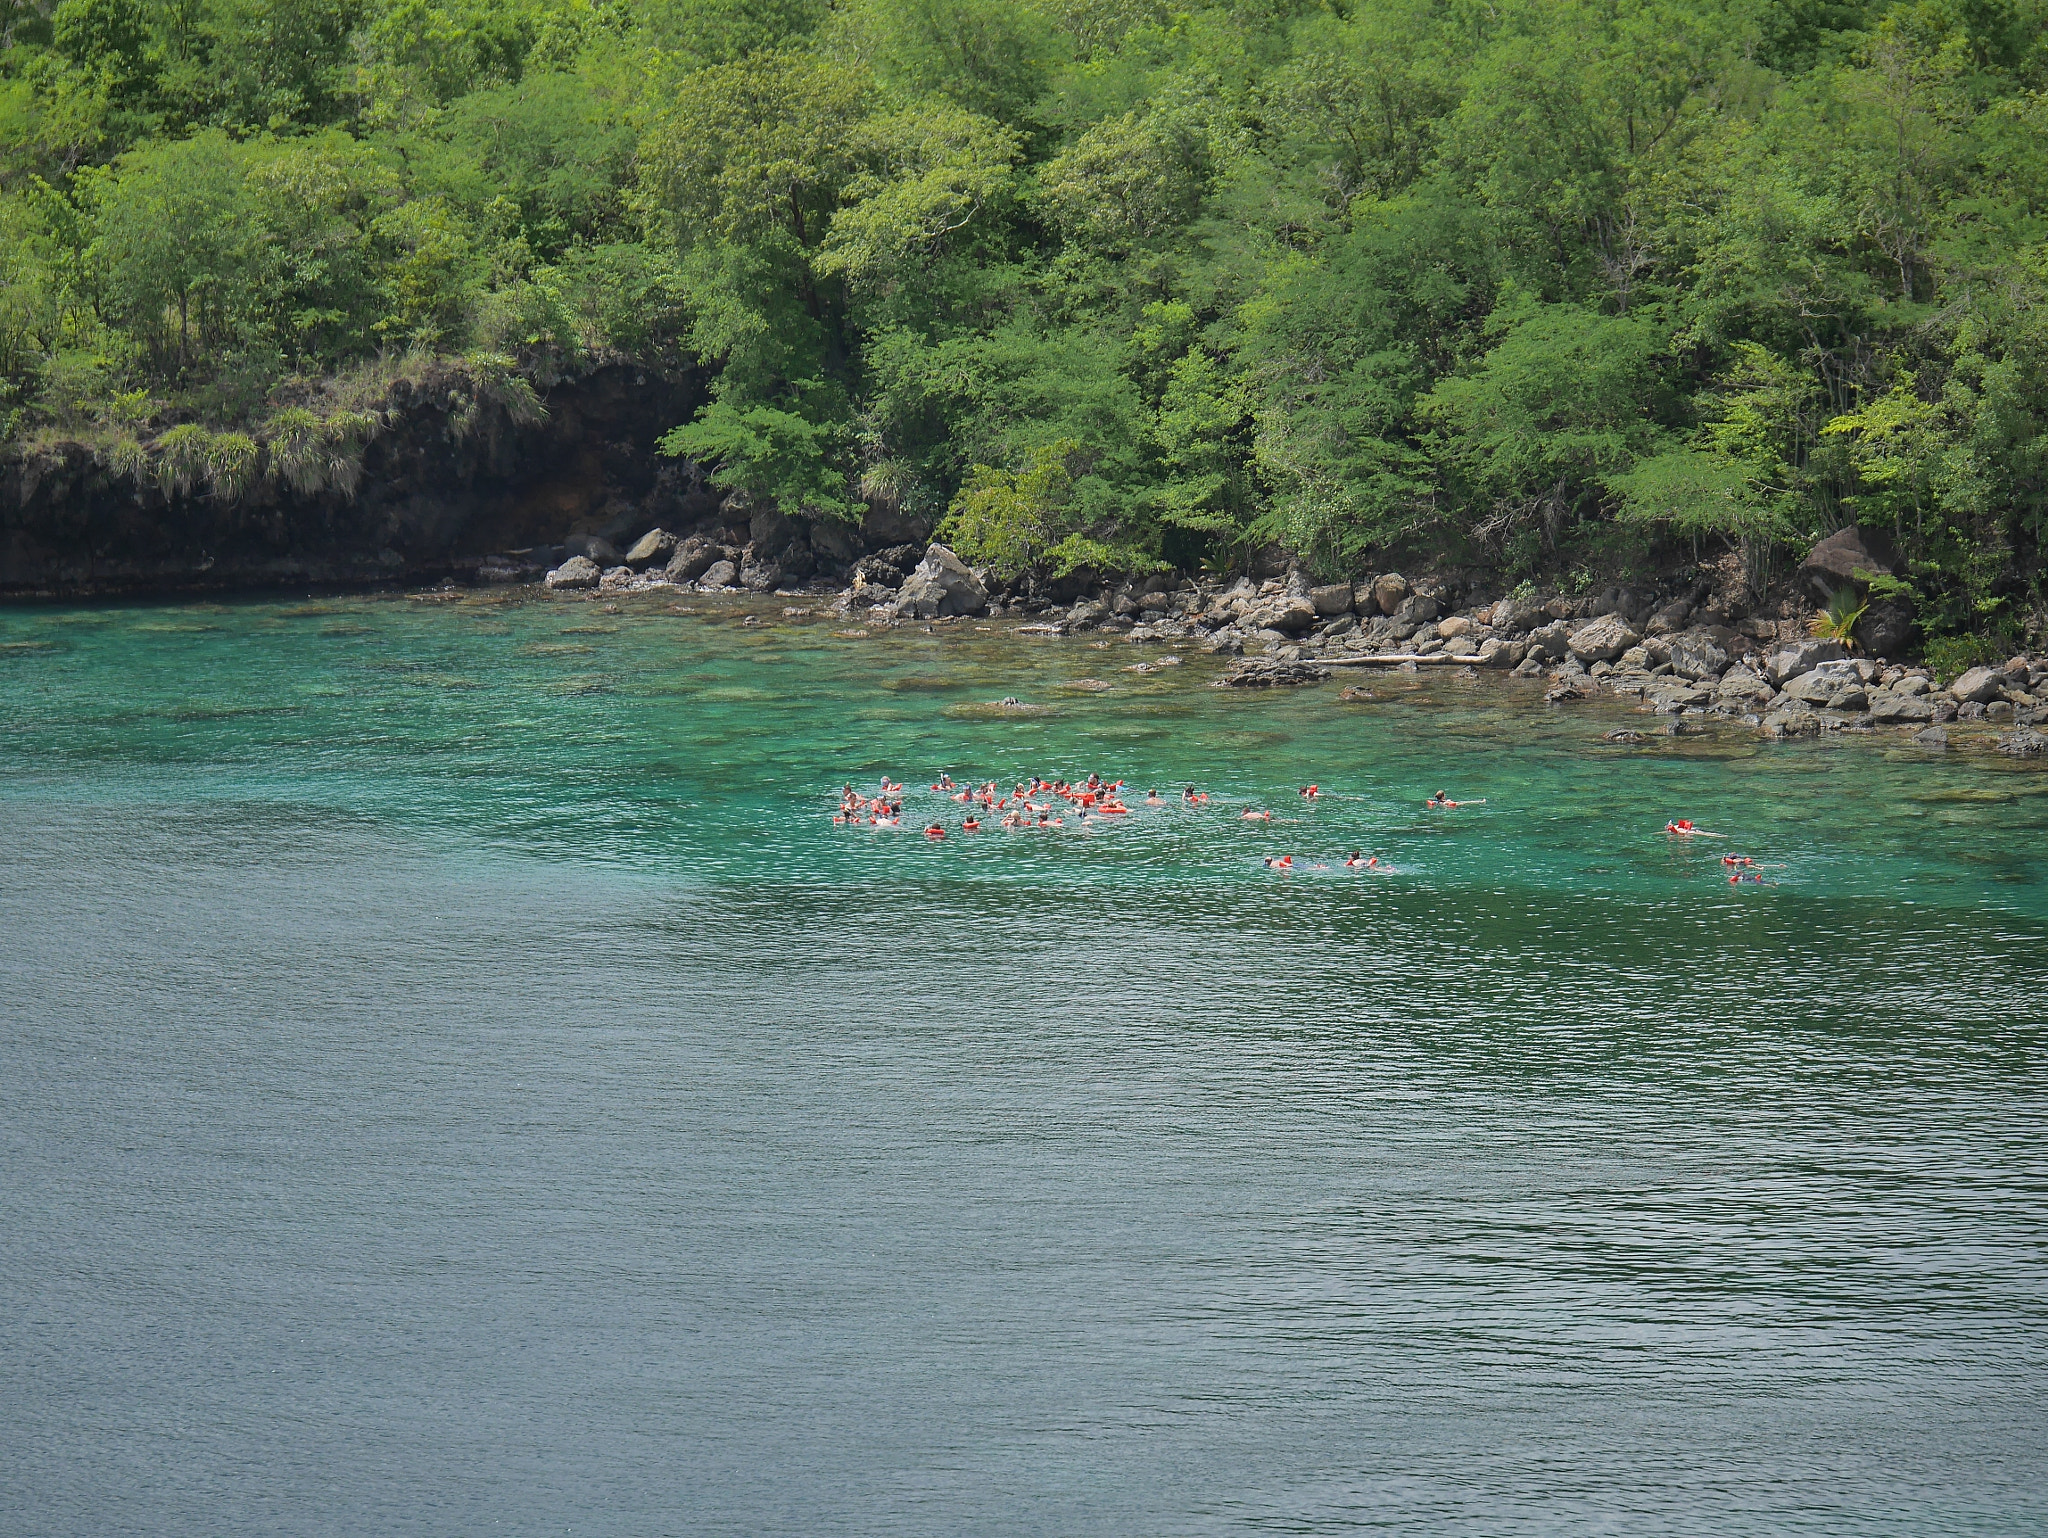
{"x":456,"y":1078}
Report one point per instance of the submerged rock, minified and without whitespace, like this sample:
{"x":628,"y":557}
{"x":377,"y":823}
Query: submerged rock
{"x":2024,"y":743}
{"x":1271,"y":672}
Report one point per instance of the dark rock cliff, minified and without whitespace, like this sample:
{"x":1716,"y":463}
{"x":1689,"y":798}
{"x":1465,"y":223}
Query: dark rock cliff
{"x":446,"y":479}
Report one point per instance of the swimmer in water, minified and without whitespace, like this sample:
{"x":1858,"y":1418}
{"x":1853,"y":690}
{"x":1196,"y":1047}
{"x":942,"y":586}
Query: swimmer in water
{"x":1153,"y":798}
{"x":1248,"y":815}
{"x":1309,"y":792}
{"x":971,"y":825}
{"x":935,"y":831}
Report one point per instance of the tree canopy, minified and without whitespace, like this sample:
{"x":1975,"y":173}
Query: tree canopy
{"x":1098,"y":282}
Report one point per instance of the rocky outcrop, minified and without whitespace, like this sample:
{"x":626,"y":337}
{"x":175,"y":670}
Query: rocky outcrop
{"x":1842,"y":560}
{"x":579,"y":571}
{"x":1802,"y":657}
{"x":941,"y":585}
{"x":448,"y":473}
{"x":1271,"y":672}
{"x":651,"y":549}
{"x":1603,"y":640}
{"x":1979,"y":686}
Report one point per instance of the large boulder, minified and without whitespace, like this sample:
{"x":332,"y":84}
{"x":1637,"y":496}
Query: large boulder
{"x":720,"y":574}
{"x":1287,"y":615}
{"x":1512,"y":616}
{"x":1390,"y":592}
{"x":834,"y":540}
{"x":1841,"y":560}
{"x":1271,"y":672}
{"x":941,"y":585}
{"x":1603,"y":640}
{"x":1834,"y":685}
{"x":1979,"y":686}
{"x":691,"y":559}
{"x":770,"y":532}
{"x":1742,"y":684}
{"x":579,"y":571}
{"x":602,"y":552}
{"x":1890,"y":705}
{"x":1670,"y":619}
{"x":651,"y":549}
{"x":1802,"y":657}
{"x":1886,"y":628}
{"x":1696,"y":654}
{"x":1553,"y":641}
{"x":1087,"y":613}
{"x":760,"y":574}
{"x":1332,"y":600}
{"x":1417,"y":609}
{"x":2024,"y":743}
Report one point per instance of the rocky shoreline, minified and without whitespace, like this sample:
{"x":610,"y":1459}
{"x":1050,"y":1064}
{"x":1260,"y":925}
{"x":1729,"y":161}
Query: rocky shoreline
{"x":1672,"y":654}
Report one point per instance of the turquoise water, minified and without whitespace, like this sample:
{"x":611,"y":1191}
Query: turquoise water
{"x":456,"y":1077}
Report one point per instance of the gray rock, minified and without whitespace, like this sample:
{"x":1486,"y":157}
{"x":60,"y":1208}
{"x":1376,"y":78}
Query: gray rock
{"x":1390,"y":592}
{"x":1742,"y":684}
{"x":1288,"y":615}
{"x":691,"y":559}
{"x":1886,"y":627}
{"x":1553,"y":641}
{"x":1665,"y":697}
{"x":1603,"y":640}
{"x":720,"y":574}
{"x":1417,"y":609}
{"x":1496,"y":653}
{"x":1512,"y":616}
{"x":1831,"y":685}
{"x":579,"y":571}
{"x":1695,"y":654}
{"x":1888,"y":705}
{"x":1802,"y":657}
{"x":1792,"y":720}
{"x":1271,"y":672}
{"x":1670,"y":619}
{"x":771,"y":532}
{"x":941,"y":585}
{"x":1841,"y":560}
{"x":1979,"y":685}
{"x":1086,"y":614}
{"x":600,"y":552}
{"x":1332,"y":600}
{"x":2024,"y":743}
{"x":761,"y":574}
{"x":835,"y":540}
{"x":650,"y":549}
{"x":1933,"y":738}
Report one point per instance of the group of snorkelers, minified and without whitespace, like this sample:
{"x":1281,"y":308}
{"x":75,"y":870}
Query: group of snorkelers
{"x":1049,"y":803}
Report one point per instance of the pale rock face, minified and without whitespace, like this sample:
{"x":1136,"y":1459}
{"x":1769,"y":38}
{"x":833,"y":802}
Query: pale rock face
{"x":1696,"y":655}
{"x":941,"y":585}
{"x":1603,"y":640}
{"x":1802,"y":657}
{"x":652,"y":548}
{"x":1457,"y":625}
{"x":1332,"y":600}
{"x":1389,"y":592}
{"x":579,"y":571}
{"x":1979,"y":686}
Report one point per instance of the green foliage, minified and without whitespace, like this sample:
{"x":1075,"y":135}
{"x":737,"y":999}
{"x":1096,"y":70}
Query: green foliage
{"x":768,"y":455}
{"x":1838,"y":621}
{"x":1546,"y":283}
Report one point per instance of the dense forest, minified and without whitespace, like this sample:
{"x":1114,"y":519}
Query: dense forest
{"x":1552,"y":284}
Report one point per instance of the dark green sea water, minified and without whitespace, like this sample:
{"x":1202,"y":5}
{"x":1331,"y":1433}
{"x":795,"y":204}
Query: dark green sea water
{"x":456,"y":1078}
